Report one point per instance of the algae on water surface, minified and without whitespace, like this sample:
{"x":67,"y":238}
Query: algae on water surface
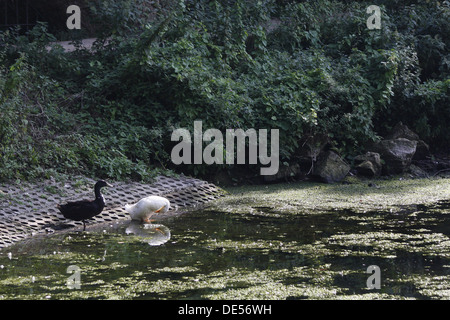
{"x":290,"y":241}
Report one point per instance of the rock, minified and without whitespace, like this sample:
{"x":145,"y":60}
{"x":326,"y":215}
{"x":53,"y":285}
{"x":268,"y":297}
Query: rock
{"x":417,"y":171}
{"x":422,"y":150}
{"x":397,"y":154}
{"x":367,"y":169}
{"x":402,"y":131}
{"x":368,"y":164}
{"x":331,"y":168}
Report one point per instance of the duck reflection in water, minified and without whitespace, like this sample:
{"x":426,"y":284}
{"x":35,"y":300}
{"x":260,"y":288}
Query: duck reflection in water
{"x":153,"y":234}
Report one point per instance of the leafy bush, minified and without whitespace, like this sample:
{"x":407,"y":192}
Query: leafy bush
{"x":45,"y":129}
{"x":300,"y":67}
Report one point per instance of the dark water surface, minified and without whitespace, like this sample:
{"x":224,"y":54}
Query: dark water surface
{"x":261,"y":254}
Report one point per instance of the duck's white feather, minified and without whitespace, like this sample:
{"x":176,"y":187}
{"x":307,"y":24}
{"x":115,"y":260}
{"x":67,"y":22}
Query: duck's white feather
{"x":146,"y":207}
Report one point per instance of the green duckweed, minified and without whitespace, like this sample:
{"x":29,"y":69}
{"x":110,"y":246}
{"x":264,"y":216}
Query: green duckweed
{"x":288,"y":241}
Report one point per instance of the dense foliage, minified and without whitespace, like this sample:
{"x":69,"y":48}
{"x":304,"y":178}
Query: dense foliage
{"x":300,"y":67}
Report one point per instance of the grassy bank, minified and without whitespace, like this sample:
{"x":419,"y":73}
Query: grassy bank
{"x":358,"y":195}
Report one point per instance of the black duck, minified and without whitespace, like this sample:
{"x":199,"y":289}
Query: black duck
{"x":85,"y":209}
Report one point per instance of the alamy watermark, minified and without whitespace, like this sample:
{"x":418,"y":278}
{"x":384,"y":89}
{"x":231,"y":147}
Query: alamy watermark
{"x":374,"y":281}
{"x":74,"y":281}
{"x":374,"y":21}
{"x":214,"y":151}
{"x":74,"y":20}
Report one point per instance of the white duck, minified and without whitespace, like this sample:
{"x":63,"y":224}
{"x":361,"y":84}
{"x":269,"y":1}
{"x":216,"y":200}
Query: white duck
{"x":147,"y":207}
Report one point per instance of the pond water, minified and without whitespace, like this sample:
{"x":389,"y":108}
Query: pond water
{"x":262,"y":254}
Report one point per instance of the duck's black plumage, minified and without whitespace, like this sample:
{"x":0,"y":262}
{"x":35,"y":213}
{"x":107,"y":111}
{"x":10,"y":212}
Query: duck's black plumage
{"x":85,"y":209}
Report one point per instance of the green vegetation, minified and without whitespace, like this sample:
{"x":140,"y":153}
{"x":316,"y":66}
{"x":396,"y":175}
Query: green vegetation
{"x":297,"y":198}
{"x":301,"y":67}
